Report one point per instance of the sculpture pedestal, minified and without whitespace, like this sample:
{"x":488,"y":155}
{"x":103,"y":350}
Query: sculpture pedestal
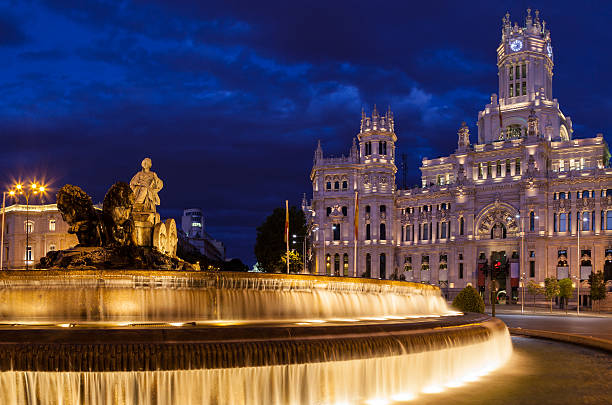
{"x":144,"y":222}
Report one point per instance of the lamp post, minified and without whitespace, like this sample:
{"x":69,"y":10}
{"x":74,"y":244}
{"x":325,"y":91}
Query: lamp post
{"x":522,"y":292}
{"x":303,"y":248}
{"x":27,"y":192}
{"x":580,"y":220}
{"x":2,"y":237}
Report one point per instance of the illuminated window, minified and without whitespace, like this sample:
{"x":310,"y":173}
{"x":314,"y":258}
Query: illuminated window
{"x":508,"y":165}
{"x":524,"y":71}
{"x":52,"y":224}
{"x":511,"y":90}
{"x":28,"y":254}
{"x":29,"y":226}
{"x":517,"y":168}
{"x":488,"y":170}
{"x":328,"y":264}
{"x":609,"y":220}
{"x":562,"y":222}
{"x":345,"y":265}
{"x":336,"y":264}
{"x":196,"y":224}
{"x":498,"y":169}
{"x":561,"y":165}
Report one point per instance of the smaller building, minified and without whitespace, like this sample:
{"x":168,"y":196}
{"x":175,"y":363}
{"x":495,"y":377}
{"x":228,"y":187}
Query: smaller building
{"x":192,"y":225}
{"x":46,"y":231}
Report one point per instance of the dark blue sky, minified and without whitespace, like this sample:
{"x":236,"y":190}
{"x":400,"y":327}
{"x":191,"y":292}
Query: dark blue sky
{"x":228,"y":98}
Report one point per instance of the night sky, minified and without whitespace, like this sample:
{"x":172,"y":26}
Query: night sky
{"x":229,"y":98}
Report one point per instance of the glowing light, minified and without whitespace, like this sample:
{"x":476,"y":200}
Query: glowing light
{"x":123,"y":324}
{"x":432,"y":389}
{"x":64,"y":325}
{"x":377,"y":401}
{"x":316,"y":321}
{"x":405,"y":396}
{"x":177,"y":323}
{"x":18,"y":186}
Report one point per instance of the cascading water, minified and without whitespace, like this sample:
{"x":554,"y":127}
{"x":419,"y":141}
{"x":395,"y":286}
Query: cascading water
{"x":361,"y":363}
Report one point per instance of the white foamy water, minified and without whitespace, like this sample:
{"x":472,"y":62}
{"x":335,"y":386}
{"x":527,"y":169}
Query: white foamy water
{"x":63,"y":299}
{"x":369,"y":381}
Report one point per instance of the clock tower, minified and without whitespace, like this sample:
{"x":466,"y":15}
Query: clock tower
{"x":525,"y":70}
{"x":525,"y":61}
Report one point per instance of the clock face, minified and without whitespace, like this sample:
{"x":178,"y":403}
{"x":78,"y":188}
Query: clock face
{"x":549,"y":50}
{"x":516,"y":45}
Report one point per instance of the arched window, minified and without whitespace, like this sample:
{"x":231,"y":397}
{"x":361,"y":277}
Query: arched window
{"x":368,"y":265}
{"x":328,"y":264}
{"x":461,"y":225}
{"x":345,"y":269}
{"x":336,"y":185}
{"x":383,"y":266}
{"x":532,"y":221}
{"x":383,"y":211}
{"x":328,"y":185}
{"x":336,"y":264}
{"x":52,"y":225}
{"x":563,"y":222}
{"x":383,"y":232}
{"x":368,"y":233}
{"x":28,"y":226}
{"x":344,"y":185}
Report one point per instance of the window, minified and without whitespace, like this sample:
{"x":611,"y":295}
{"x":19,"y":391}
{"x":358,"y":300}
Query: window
{"x":460,"y":270}
{"x":383,"y":232}
{"x":608,"y":220}
{"x":28,"y":254}
{"x":488,"y":170}
{"x":407,"y":263}
{"x":336,"y":229}
{"x":328,"y":185}
{"x":461,"y":225}
{"x":586,"y":219}
{"x":345,"y":269}
{"x":368,"y":148}
{"x":52,"y":225}
{"x":424,"y":262}
{"x":532,"y":221}
{"x":328,"y":264}
{"x":424,"y":233}
{"x":336,"y":185}
{"x":336,"y":264}
{"x":383,"y":266}
{"x":344,"y":185}
{"x":367,"y":211}
{"x":443,"y":262}
{"x":517,"y":166}
{"x":382,"y":148}
{"x":562,"y":222}
{"x":532,"y":269}
{"x":345,"y":211}
{"x":524,"y":89}
{"x":498,"y":170}
{"x":511,"y":75}
{"x":329,"y":210}
{"x":508,"y":166}
{"x":511,"y":92}
{"x":383,"y":210}
{"x":443,"y":230}
{"x":368,"y":235}
{"x":480,"y":171}
{"x":523,"y":70}
{"x":571,"y":164}
{"x":29,"y":226}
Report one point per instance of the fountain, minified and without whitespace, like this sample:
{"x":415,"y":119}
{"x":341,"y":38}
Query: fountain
{"x":157,"y":337}
{"x":91,"y":327}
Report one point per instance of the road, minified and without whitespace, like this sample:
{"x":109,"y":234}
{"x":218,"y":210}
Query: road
{"x":600,"y":327}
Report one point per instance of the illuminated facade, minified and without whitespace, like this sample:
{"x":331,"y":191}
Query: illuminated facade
{"x":47,"y":231}
{"x":511,"y":202}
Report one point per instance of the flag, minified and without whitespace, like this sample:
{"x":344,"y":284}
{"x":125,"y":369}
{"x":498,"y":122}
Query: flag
{"x":286,"y":221}
{"x":356,"y":216}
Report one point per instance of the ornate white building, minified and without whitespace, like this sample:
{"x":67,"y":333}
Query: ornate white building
{"x":512,"y":201}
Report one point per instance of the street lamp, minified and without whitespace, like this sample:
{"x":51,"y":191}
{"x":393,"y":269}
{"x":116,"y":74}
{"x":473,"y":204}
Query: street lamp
{"x":27,"y":192}
{"x":580,"y":220}
{"x":303,"y":248}
{"x":522,"y":293}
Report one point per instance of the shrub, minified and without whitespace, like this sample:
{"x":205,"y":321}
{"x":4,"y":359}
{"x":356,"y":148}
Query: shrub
{"x":468,"y":300}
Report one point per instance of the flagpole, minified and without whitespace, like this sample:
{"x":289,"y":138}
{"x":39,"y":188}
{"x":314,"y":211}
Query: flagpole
{"x":356,"y":233}
{"x":287,"y":231}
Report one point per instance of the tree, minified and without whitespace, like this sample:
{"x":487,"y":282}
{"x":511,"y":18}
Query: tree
{"x":270,"y":243}
{"x":295,"y":261}
{"x":534,"y":289}
{"x":598,"y":287}
{"x":234,"y":265}
{"x":551,"y":289}
{"x":565,"y":291}
{"x":468,"y":300}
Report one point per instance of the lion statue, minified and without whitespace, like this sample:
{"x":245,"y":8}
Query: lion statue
{"x":117,"y":213}
{"x":78,"y":212}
